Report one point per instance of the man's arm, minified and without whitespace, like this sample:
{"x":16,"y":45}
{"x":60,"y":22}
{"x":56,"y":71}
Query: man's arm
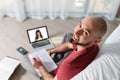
{"x":45,"y":74}
{"x":61,"y":48}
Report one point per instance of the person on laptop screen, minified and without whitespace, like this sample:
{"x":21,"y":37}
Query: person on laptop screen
{"x":38,"y":35}
{"x":39,"y":38}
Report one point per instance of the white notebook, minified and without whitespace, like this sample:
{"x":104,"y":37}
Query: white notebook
{"x":7,"y":67}
{"x":46,"y":60}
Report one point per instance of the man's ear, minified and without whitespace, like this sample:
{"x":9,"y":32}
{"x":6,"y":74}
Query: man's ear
{"x":98,"y":40}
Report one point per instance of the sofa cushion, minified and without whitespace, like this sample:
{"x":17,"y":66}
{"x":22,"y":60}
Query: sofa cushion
{"x":112,"y":43}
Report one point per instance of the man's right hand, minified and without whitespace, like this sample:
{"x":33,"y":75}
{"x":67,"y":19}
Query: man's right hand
{"x":37,"y":63}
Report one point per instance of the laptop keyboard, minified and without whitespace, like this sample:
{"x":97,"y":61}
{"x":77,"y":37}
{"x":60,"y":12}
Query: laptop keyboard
{"x":40,"y":44}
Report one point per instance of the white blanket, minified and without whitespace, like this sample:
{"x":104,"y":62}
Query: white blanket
{"x":107,"y":67}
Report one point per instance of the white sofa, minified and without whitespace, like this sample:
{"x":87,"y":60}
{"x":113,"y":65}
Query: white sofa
{"x":107,"y":65}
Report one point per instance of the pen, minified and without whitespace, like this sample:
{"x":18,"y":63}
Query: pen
{"x":34,"y":59}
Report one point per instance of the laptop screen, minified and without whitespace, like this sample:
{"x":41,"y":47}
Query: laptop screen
{"x":37,"y":34}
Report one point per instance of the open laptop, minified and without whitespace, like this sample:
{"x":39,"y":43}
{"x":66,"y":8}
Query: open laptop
{"x":42,"y":41}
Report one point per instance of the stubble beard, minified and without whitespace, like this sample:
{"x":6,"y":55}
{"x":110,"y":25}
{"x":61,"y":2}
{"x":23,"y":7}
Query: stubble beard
{"x":81,"y":44}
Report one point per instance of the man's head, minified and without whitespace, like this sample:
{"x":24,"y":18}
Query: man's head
{"x":89,"y":31}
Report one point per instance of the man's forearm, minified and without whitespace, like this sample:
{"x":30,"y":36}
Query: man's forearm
{"x":61,"y":48}
{"x":45,"y":74}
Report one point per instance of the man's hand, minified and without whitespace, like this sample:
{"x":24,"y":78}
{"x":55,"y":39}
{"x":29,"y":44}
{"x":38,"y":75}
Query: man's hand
{"x":37,"y":63}
{"x":50,"y":52}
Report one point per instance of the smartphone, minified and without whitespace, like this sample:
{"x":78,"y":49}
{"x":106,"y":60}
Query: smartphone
{"x":22,"y":50}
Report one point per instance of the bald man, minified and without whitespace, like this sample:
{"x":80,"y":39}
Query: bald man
{"x":84,"y":42}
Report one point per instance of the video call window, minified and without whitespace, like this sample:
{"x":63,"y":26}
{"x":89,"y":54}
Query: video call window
{"x":37,"y":34}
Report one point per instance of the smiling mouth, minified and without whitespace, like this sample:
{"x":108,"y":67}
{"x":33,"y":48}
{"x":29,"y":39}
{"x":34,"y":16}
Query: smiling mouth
{"x":72,"y":40}
{"x":75,"y":38}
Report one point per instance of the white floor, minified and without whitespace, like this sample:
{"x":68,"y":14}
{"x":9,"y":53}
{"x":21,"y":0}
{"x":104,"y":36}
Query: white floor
{"x":13,"y":35}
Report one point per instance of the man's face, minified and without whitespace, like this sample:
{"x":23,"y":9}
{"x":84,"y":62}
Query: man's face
{"x":85,"y":33}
